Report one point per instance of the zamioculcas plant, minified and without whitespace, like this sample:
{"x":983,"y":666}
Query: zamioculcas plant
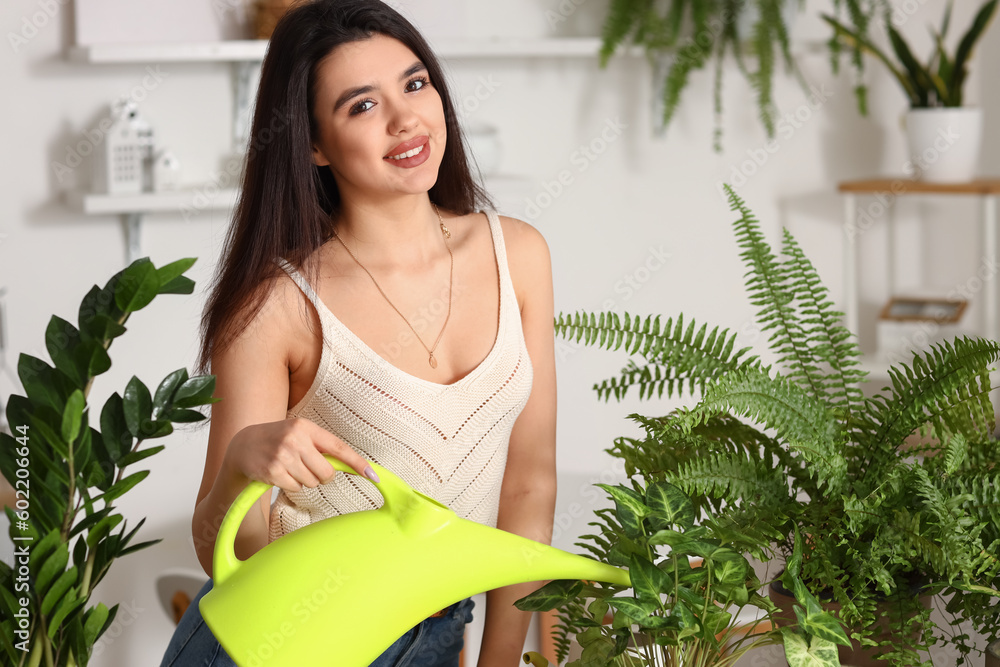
{"x":881,"y":518}
{"x":67,"y":474}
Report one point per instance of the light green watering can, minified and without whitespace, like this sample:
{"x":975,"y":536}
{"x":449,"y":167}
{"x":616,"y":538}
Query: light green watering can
{"x":340,"y":591}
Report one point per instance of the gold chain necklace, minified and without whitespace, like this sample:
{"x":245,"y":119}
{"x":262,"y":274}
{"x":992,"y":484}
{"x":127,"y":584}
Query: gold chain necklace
{"x":447,"y":235}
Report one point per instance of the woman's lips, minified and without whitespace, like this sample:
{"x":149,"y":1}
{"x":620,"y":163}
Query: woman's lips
{"x":422,"y":148}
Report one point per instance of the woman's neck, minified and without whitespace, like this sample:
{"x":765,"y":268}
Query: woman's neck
{"x":403,"y":232}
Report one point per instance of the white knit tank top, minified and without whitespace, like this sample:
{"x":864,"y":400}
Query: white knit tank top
{"x":448,"y":441}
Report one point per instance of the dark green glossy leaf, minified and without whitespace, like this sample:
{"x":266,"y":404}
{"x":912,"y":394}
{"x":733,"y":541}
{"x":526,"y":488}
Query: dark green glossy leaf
{"x":42,"y":383}
{"x":183,"y":416}
{"x":137,"y":287}
{"x":179,"y":285}
{"x":136,"y":456}
{"x":102,"y":528}
{"x":195,"y":391}
{"x":100,"y":327}
{"x":121,"y":487}
{"x":168,"y":272}
{"x":165,"y":391}
{"x":137,"y":404}
{"x":114,"y":428}
{"x":61,"y":339}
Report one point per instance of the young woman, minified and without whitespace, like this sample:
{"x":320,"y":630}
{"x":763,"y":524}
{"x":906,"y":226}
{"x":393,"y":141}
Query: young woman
{"x":371,"y":305}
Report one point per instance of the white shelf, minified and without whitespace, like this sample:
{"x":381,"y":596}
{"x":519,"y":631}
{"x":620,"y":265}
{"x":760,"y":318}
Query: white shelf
{"x":254,"y":50}
{"x":197,"y":199}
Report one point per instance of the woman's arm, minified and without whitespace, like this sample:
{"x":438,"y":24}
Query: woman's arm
{"x":250,"y":437}
{"x":528,"y":494}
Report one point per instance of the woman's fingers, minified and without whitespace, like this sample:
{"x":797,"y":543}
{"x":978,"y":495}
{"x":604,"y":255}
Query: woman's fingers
{"x":327,"y":443}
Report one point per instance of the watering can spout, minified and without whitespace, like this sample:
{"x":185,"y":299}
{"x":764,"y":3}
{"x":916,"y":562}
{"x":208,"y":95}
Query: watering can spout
{"x":399,"y":563}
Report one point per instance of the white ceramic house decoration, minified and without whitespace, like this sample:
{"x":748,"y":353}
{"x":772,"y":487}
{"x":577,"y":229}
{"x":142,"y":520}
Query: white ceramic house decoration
{"x":121,"y":163}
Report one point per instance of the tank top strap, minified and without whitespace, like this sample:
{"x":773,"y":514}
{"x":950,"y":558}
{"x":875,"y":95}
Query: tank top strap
{"x":506,"y":282}
{"x":301,"y":282}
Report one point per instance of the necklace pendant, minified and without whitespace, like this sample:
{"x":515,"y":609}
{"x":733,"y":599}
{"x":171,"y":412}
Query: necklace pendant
{"x":432,"y":361}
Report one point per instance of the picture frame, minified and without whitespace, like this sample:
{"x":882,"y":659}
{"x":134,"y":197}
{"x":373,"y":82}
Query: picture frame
{"x":918,"y":309}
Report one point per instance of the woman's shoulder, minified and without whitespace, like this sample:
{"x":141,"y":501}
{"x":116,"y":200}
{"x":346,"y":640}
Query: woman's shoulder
{"x":528,"y":258}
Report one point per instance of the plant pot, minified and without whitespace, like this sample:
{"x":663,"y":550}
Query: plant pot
{"x":993,"y":654}
{"x":944,"y":144}
{"x":856,"y":656}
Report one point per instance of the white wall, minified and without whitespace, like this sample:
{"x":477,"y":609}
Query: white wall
{"x":646,"y":193}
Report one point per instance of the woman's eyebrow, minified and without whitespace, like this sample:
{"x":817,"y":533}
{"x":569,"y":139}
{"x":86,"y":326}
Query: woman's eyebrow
{"x":351,"y":93}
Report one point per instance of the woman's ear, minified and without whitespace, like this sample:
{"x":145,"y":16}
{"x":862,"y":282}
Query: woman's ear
{"x":318,"y":158}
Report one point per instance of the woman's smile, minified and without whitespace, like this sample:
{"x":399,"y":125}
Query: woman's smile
{"x":410,"y":153}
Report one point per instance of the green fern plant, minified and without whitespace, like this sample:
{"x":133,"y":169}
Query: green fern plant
{"x":799,"y":444}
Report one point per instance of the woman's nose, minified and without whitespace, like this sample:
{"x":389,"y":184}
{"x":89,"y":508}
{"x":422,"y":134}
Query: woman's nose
{"x":402,"y":117}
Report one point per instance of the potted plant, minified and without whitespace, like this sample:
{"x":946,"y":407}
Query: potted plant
{"x":944,"y":136}
{"x":689,"y":584}
{"x":67,"y":475}
{"x":799,"y":445}
{"x":683,"y":36}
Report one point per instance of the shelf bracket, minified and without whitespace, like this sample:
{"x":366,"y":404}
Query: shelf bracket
{"x":132,"y":226}
{"x":244,"y":74}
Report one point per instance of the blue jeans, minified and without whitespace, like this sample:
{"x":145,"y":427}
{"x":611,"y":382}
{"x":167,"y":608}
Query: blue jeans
{"x":434,"y":642}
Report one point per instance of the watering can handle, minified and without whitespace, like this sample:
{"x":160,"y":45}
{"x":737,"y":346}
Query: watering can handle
{"x":224,"y":560}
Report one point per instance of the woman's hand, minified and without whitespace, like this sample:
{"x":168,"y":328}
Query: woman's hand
{"x":289,"y":453}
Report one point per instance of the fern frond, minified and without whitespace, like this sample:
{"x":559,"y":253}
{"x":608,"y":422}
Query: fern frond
{"x":778,"y":403}
{"x":622,"y":19}
{"x":731,"y":478}
{"x":831,"y":343}
{"x":766,"y":280}
{"x":684,"y":355}
{"x":946,"y":387}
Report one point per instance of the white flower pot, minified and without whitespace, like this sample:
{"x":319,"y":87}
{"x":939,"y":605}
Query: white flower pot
{"x":944,"y":144}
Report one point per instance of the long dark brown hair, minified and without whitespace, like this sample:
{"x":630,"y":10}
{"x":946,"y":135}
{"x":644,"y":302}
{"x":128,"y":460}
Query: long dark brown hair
{"x":287,"y":204}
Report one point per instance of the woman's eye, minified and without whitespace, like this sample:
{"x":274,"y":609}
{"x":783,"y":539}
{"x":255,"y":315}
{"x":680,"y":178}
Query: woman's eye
{"x":360,"y":108}
{"x":420,"y":81}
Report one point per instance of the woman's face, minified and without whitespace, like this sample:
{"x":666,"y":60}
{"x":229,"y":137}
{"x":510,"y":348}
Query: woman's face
{"x":381,"y":125}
